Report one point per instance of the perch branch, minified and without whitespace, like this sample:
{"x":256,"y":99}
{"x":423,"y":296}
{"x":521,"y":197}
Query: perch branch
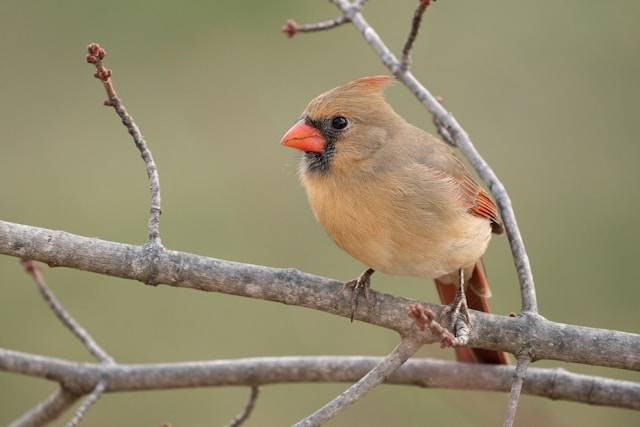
{"x":248,"y":408}
{"x":95,"y":56}
{"x":546,"y":339}
{"x":80,"y":378}
{"x":403,"y":351}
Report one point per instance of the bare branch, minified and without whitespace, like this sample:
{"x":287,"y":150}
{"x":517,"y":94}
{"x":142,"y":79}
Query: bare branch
{"x":86,"y":403}
{"x":516,"y":387}
{"x":547,"y":339}
{"x":292,"y":27}
{"x":464,"y":144}
{"x":248,"y":408}
{"x":96,"y":56}
{"x":68,"y":321}
{"x":81,"y":378}
{"x":403,"y":351}
{"x":48,"y":410}
{"x":405,"y":61}
{"x":441,"y":129}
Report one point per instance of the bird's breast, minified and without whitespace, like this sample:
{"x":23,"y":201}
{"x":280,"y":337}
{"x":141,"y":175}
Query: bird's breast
{"x":383,"y":226}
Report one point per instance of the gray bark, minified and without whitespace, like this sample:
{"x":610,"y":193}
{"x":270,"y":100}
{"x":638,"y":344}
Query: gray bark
{"x":544,"y":338}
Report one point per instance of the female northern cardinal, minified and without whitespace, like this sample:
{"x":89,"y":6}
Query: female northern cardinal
{"x":395,"y":197}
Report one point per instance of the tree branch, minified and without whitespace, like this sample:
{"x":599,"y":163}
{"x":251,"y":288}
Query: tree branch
{"x":403,"y":351}
{"x":95,"y":57}
{"x":48,"y":410}
{"x":85,"y":338}
{"x":546,"y":339}
{"x":464,"y":144}
{"x":80,"y":378}
{"x":405,"y":61}
{"x":516,"y":388}
{"x":248,"y":408}
{"x":291,"y":28}
{"x":87,"y":402}
{"x":66,"y":319}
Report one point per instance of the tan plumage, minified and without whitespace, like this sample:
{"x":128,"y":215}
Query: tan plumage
{"x":390,"y":194}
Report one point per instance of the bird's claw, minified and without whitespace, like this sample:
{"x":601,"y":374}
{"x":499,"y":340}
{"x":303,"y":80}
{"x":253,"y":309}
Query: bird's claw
{"x":361,"y":284}
{"x":455,"y":317}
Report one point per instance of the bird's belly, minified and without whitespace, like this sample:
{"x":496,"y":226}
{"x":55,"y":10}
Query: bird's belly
{"x":396,"y":242}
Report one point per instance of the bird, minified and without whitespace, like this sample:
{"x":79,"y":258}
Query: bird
{"x":396,"y":198}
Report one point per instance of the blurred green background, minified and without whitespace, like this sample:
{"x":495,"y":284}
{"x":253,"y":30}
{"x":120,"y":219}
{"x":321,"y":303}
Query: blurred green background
{"x":549,"y":94}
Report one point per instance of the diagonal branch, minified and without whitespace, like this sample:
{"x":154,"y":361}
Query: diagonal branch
{"x":464,"y":144}
{"x":376,"y":376}
{"x":76,"y":329}
{"x":248,"y":408}
{"x":48,"y":410}
{"x":54,"y":406}
{"x":87,"y":402}
{"x":95,"y":57}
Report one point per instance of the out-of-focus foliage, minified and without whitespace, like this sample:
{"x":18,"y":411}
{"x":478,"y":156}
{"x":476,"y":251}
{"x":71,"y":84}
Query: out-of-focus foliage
{"x":549,"y":93}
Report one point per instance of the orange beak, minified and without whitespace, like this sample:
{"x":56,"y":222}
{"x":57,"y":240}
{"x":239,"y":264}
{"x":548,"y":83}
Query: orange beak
{"x":304,"y":137}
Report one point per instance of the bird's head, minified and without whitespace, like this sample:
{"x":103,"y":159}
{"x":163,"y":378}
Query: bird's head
{"x":343,"y":126}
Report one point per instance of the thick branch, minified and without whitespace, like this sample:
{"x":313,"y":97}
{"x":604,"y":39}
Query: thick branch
{"x":548,"y":340}
{"x":81,"y":378}
{"x":464,"y":144}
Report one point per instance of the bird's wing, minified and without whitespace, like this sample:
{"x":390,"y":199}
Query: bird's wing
{"x":438,"y":156}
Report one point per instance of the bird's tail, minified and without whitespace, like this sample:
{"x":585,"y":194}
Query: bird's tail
{"x":477,"y":292}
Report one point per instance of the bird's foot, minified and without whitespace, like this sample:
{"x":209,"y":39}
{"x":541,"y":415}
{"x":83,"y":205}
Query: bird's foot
{"x":425,"y":317}
{"x":455,"y":317}
{"x":361,"y":284}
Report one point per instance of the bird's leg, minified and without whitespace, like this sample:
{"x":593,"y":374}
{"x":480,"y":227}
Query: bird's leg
{"x":456,"y":315}
{"x":362,"y":283}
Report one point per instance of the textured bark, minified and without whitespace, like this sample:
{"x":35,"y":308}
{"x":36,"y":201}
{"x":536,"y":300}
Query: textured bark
{"x":48,"y":410}
{"x":81,"y":378}
{"x":545,"y":339}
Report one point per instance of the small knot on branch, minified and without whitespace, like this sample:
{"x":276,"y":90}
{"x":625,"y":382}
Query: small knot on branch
{"x":290,"y":28}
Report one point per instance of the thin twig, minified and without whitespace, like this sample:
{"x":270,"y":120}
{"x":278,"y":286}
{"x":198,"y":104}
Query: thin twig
{"x":48,"y":410}
{"x":403,"y":351}
{"x":516,"y":387}
{"x":95,"y":56}
{"x":405,"y":61}
{"x":464,"y":144}
{"x":86,"y":404}
{"x":68,"y":321}
{"x":440,"y":128}
{"x":248,"y":408}
{"x":291,"y":28}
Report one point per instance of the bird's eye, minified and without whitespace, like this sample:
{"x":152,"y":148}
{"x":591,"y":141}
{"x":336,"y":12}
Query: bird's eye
{"x":339,"y":122}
